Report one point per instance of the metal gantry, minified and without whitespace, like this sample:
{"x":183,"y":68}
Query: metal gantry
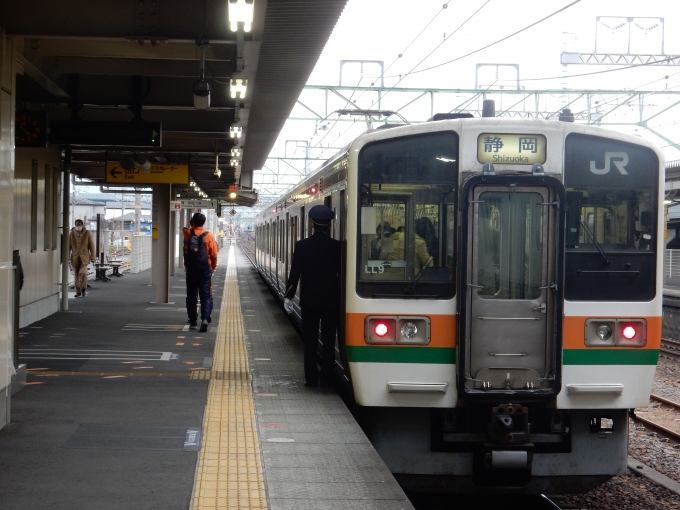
{"x":317,"y":106}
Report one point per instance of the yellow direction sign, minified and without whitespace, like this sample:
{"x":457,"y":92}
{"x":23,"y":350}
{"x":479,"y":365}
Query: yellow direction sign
{"x":157,"y":174}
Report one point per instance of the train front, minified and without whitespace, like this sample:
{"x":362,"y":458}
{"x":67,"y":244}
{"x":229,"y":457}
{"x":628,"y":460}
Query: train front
{"x":504,"y":305}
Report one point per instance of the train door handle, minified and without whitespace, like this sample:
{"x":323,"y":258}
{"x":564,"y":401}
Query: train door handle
{"x":541,"y":308}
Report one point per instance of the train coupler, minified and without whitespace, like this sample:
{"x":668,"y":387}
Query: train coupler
{"x":509,"y":424}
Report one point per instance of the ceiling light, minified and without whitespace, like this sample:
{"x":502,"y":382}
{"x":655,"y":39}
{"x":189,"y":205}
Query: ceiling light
{"x":235,"y":130}
{"x":241,"y":11}
{"x":232,"y":194}
{"x":234,"y":162}
{"x":238,"y":85}
{"x":236,"y":151}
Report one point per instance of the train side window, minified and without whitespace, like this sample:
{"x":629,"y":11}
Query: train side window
{"x":282,"y":240}
{"x":302,"y":223}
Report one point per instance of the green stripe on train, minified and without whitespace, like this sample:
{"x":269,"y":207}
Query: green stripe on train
{"x":394,"y":354}
{"x":610,"y":357}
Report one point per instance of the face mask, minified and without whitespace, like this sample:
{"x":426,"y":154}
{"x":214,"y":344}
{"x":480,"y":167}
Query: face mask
{"x":79,"y":228}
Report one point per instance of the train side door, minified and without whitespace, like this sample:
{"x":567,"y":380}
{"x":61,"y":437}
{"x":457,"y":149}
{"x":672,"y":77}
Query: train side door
{"x":511,"y":289}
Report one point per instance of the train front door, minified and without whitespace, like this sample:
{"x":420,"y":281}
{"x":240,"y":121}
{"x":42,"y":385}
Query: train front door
{"x":511,"y":287}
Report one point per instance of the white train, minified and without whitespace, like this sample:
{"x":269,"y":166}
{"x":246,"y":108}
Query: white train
{"x":502,"y":293}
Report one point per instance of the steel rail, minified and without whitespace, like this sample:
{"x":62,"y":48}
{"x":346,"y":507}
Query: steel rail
{"x":656,"y":426}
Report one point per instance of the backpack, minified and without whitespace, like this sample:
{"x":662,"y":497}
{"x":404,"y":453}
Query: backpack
{"x":196,"y":256}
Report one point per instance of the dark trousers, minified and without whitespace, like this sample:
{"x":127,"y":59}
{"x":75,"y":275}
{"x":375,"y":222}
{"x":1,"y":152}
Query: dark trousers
{"x":311,"y":317}
{"x":199,"y":283}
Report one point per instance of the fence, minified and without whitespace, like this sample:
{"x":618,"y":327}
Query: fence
{"x":671,"y":264}
{"x":140,"y":253}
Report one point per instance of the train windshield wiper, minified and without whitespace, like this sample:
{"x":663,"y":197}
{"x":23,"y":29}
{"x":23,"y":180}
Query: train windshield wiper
{"x":597,"y":245}
{"x":416,"y":279}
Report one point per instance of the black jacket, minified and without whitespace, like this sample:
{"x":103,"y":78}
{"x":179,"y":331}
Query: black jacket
{"x":316,"y":264}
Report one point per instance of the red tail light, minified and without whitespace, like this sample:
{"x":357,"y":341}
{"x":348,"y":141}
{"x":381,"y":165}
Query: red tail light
{"x":629,"y":332}
{"x":380,"y":329}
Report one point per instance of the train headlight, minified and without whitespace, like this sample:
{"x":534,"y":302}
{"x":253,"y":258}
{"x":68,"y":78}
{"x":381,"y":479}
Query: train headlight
{"x":615,"y":332}
{"x":409,"y":330}
{"x":603,"y":332}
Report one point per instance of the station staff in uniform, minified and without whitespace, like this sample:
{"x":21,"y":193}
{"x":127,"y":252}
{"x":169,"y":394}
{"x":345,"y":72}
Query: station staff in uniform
{"x":316,"y":264}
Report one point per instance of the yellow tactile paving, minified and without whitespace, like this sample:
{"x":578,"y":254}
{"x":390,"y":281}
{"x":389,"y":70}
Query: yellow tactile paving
{"x":229,"y":474}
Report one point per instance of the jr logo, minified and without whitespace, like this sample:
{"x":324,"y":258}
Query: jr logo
{"x":620,"y":160}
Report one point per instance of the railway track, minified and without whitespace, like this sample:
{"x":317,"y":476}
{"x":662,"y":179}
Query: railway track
{"x":656,"y":427}
{"x":248,"y":250}
{"x":670,"y":348}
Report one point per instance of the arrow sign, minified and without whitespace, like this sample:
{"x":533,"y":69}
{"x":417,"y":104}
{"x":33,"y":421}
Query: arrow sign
{"x":156,"y":173}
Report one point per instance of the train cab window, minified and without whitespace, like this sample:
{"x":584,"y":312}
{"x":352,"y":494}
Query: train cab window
{"x":407,"y":217}
{"x":611,"y":223}
{"x":509,"y":266}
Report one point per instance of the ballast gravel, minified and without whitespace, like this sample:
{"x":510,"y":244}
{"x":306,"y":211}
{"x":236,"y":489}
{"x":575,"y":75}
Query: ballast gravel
{"x":630,"y":491}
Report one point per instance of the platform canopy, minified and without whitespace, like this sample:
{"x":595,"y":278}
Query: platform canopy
{"x":139,"y":60}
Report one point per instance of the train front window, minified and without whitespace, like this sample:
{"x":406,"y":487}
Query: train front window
{"x":407,"y":217}
{"x":611,"y":223}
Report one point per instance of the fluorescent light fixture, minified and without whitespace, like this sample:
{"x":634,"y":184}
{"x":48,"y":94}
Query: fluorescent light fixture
{"x":235,"y":130}
{"x":446,"y":160}
{"x":238,"y":85}
{"x":241,"y":11}
{"x":236,"y":151}
{"x":232,"y":194}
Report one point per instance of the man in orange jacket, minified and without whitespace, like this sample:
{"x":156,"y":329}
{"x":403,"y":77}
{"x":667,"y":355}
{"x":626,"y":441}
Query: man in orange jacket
{"x":200,"y":260}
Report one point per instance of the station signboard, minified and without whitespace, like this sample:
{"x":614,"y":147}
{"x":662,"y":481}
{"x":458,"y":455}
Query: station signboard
{"x":188,"y":203}
{"x":157,"y":174}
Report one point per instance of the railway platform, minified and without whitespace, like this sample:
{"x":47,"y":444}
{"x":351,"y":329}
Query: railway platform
{"x":124,"y":407}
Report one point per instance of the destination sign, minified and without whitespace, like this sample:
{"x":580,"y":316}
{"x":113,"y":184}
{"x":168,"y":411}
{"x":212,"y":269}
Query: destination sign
{"x":511,"y":149}
{"x":157,"y":174}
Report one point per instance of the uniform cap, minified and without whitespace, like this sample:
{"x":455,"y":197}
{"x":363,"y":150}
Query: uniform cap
{"x":321,"y":215}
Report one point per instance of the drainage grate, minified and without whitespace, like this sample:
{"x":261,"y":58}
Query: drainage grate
{"x":134,"y":437}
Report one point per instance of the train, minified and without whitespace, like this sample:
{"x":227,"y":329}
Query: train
{"x":501,"y":295}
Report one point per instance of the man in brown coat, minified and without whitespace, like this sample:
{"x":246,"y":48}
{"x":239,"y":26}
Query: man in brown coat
{"x":81,"y":247}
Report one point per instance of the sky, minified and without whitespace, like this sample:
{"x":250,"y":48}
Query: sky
{"x":424,"y":43}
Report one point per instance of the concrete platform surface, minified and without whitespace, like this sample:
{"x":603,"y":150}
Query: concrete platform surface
{"x":116,"y":396}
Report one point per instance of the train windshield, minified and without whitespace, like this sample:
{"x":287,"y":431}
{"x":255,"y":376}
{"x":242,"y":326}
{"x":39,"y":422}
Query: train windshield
{"x":407,"y":217}
{"x":611,"y":227}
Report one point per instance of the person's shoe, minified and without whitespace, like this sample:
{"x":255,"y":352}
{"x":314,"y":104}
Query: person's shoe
{"x":209,"y":320}
{"x":311,"y":385}
{"x":78,"y":294}
{"x":83,"y":294}
{"x":204,"y":327}
{"x":193,"y":325}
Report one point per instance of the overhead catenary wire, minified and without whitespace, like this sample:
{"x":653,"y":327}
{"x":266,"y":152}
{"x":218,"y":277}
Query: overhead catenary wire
{"x":402,"y":77}
{"x":496,"y":42}
{"x":423,"y":59}
{"x":381,"y":75}
{"x":401,"y":54}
